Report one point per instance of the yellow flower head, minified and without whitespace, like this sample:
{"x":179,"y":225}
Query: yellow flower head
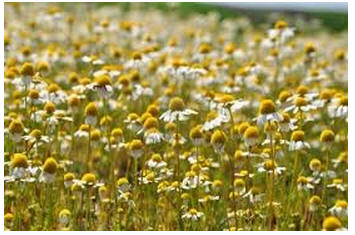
{"x":196,"y":133}
{"x":73,"y":101}
{"x":251,"y":132}
{"x":315,"y":200}
{"x":42,"y":66}
{"x":343,"y":101}
{"x":153,"y":110}
{"x":33,"y":94}
{"x":122,"y":181}
{"x":218,"y":137}
{"x":341,"y":204}
{"x":267,"y":106}
{"x":27,"y":69}
{"x":297,"y":135}
{"x":117,"y":132}
{"x":8,"y":217}
{"x":331,"y":223}
{"x":242,"y":127}
{"x":19,"y":160}
{"x":284,"y":95}
{"x":16,"y":126}
{"x":327,"y":136}
{"x":239,"y":183}
{"x":36,"y":133}
{"x":69,"y":176}
{"x":315,"y":164}
{"x":53,"y":87}
{"x":280,"y":24}
{"x":91,"y":109}
{"x":151,"y":122}
{"x":89,"y":178}
{"x":105,"y":121}
{"x":269,"y":165}
{"x":103,"y":80}
{"x":136,"y":144}
{"x":49,"y":107}
{"x":176,"y":104}
{"x":300,"y":101}
{"x":50,"y":166}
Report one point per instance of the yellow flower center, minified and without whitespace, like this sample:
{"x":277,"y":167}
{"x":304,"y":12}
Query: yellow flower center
{"x":136,"y":145}
{"x":91,"y":109}
{"x":19,"y":160}
{"x":267,"y":106}
{"x":103,"y":80}
{"x":49,"y":107}
{"x":300,"y":101}
{"x":176,"y":104}
{"x":121,"y":181}
{"x":16,"y":126}
{"x":327,"y":136}
{"x":280,"y":24}
{"x":315,"y":200}
{"x":69,"y":176}
{"x":331,"y":223}
{"x":52,"y":88}
{"x":251,"y":133}
{"x":218,"y":137}
{"x":341,"y":203}
{"x":302,"y":90}
{"x":151,"y":122}
{"x":27,"y":69}
{"x":50,"y":165}
{"x":89,"y":178}
{"x":196,"y":133}
{"x":297,"y":135}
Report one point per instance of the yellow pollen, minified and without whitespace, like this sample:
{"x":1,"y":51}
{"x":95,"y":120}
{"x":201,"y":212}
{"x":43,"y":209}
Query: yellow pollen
{"x":91,"y":109}
{"x":327,"y":136}
{"x":267,"y":106}
{"x":50,"y":165}
{"x":297,"y":136}
{"x":251,"y":133}
{"x":89,"y":178}
{"x":331,"y":223}
{"x":300,"y":101}
{"x":19,"y":160}
{"x":176,"y":104}
{"x":49,"y":107}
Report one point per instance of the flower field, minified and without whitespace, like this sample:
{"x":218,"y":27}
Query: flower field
{"x":140,"y":119}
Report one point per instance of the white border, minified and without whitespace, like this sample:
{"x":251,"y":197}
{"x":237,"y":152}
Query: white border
{"x":351,"y":93}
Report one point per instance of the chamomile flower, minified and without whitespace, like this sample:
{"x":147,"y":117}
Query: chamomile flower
{"x":297,"y":141}
{"x":251,"y":136}
{"x":122,"y":185}
{"x":332,"y":223}
{"x":192,"y":214}
{"x":267,"y":112}
{"x":136,"y":148}
{"x":338,"y":184}
{"x":64,"y":217}
{"x":18,"y":165}
{"x":340,"y":209}
{"x":49,"y":170}
{"x":314,"y":203}
{"x":91,"y":113}
{"x":16,"y":129}
{"x":156,"y":162}
{"x":339,"y":108}
{"x":304,"y":183}
{"x":177,"y":111}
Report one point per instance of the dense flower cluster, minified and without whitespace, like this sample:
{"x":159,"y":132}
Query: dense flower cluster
{"x":141,"y":120}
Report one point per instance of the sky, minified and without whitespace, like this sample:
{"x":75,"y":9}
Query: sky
{"x":296,"y":6}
